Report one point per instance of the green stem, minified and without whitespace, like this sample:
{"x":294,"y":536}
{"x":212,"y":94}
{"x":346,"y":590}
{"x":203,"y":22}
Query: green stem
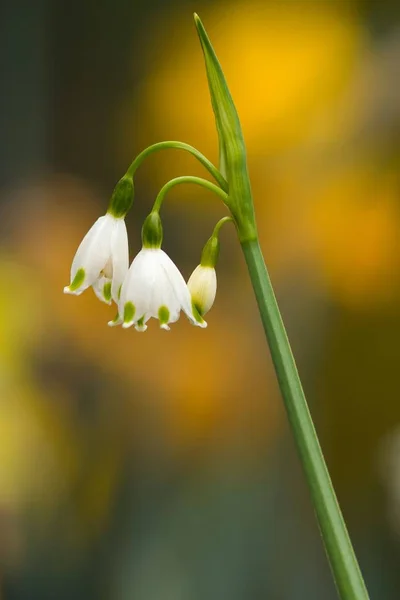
{"x":187,"y":179}
{"x":179,"y":146}
{"x":210,"y":253}
{"x":220,"y":224}
{"x":338,"y":546}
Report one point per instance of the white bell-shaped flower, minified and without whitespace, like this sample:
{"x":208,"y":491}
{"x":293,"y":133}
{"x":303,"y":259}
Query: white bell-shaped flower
{"x":202,"y":286}
{"x":102,"y":260}
{"x":154,"y":287}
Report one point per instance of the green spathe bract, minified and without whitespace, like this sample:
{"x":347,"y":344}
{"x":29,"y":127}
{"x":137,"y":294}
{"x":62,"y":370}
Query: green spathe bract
{"x":152,"y":231}
{"x":122,"y":197}
{"x":345,"y":569}
{"x":231,"y":142}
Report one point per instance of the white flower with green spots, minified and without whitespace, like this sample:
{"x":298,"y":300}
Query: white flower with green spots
{"x":202,"y":286}
{"x":154,"y":287}
{"x":102,"y":260}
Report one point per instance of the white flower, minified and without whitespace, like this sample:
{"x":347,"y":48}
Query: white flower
{"x":154,"y":287}
{"x":202,"y":286}
{"x":101,"y":260}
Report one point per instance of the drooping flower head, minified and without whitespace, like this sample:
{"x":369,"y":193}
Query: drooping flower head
{"x":202,"y":283}
{"x":202,"y":286}
{"x":102,"y":258}
{"x":154,"y":286}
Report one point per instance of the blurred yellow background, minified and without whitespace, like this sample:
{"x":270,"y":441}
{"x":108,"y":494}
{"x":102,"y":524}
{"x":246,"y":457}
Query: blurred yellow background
{"x":160,"y":465}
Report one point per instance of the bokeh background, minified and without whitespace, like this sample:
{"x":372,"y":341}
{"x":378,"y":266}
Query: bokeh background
{"x":160,"y":465}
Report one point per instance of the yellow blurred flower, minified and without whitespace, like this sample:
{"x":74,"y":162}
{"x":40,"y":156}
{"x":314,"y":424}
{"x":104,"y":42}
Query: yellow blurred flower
{"x":355,"y":225}
{"x":284,"y":62}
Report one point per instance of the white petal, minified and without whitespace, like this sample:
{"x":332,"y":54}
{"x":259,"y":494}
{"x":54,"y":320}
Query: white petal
{"x":153,"y":282}
{"x":93,"y":251}
{"x":116,"y":321}
{"x":119,"y":257}
{"x":181,"y":291}
{"x":98,"y":287}
{"x":67,"y":290}
{"x":164,"y":296}
{"x":133,"y":285}
{"x":202,"y":286}
{"x":141,"y":327}
{"x":164,"y":293}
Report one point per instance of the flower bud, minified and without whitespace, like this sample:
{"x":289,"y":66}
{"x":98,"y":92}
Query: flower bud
{"x":202,"y":286}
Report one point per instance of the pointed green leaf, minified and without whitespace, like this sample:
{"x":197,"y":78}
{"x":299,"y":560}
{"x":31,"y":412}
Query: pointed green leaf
{"x":231,"y":143}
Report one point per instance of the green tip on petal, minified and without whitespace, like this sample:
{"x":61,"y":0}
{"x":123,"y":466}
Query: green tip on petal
{"x":78,"y":280}
{"x":197,"y":312}
{"x":152,"y":231}
{"x":197,"y":308}
{"x":122,"y":197}
{"x":140,"y":324}
{"x":116,"y":321}
{"x":107,"y":291}
{"x":163,"y":315}
{"x":129,"y":312}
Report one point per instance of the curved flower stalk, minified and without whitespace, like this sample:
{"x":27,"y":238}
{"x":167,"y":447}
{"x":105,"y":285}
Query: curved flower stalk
{"x":154,"y":286}
{"x":175,"y":145}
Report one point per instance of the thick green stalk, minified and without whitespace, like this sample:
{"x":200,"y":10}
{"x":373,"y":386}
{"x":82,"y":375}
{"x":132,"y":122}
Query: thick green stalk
{"x":178,"y":146}
{"x":338,"y":546}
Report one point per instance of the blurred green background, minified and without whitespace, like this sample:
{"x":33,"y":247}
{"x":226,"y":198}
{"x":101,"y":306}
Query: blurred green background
{"x":160,"y":466}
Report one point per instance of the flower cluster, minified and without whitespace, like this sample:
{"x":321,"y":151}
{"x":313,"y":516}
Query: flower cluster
{"x":152,"y":286}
